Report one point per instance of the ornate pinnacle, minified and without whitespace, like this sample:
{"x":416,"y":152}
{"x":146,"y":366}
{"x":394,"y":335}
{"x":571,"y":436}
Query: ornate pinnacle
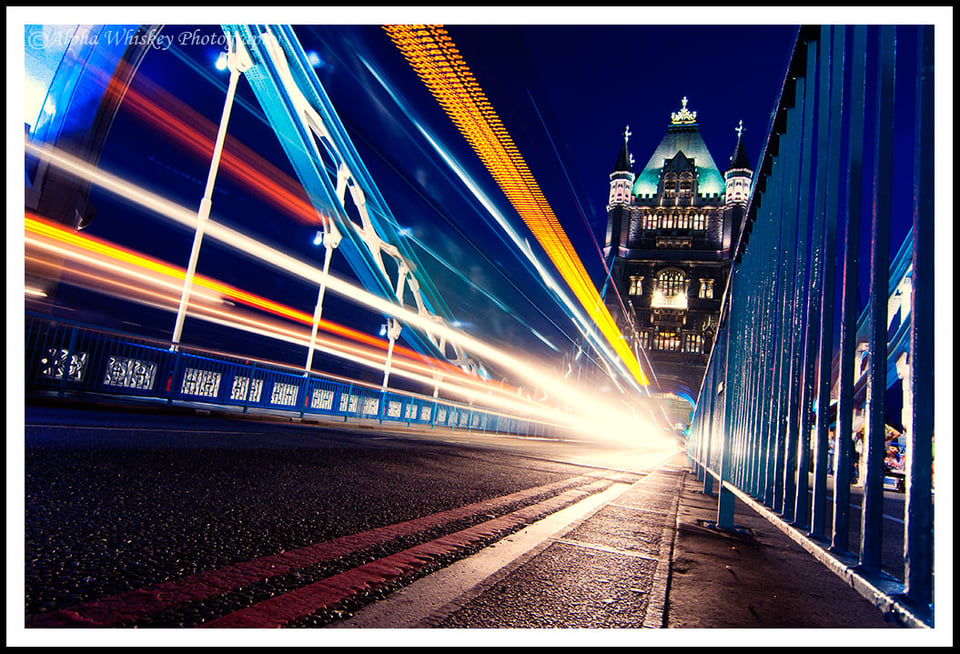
{"x":684,"y":116}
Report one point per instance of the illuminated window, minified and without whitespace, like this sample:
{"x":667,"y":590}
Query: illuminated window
{"x":693,"y":343}
{"x":671,"y":282}
{"x":670,"y":290}
{"x":666,"y":341}
{"x":697,"y":221}
{"x":653,"y":222}
{"x":636,"y":285}
{"x":670,"y":185}
{"x":706,"y":289}
{"x":684,"y":221}
{"x":644,"y":337}
{"x":686,"y":185}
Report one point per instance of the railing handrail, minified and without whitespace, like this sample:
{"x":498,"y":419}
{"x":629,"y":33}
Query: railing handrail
{"x":65,"y":362}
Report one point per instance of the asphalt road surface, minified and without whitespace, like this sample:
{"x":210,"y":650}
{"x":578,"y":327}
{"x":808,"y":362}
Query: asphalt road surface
{"x":134,"y":519}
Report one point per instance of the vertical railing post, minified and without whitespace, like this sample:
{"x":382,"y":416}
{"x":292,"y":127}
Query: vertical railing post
{"x":805,"y":95}
{"x":918,"y":545}
{"x":872,"y":513}
{"x":832,"y":112}
{"x":707,"y":422}
{"x":789,"y":179}
{"x":725,"y":499}
{"x":843,"y":435}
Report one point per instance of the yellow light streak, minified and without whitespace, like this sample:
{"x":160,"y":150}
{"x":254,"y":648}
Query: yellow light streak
{"x":433,"y":55}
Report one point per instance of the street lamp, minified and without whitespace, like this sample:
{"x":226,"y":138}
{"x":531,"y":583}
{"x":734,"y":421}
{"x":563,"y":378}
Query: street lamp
{"x":238,"y":60}
{"x":329,"y":237}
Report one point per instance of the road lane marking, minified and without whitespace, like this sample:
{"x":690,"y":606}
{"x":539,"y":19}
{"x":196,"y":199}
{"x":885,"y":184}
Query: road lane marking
{"x":288,"y":607}
{"x":439,"y":593}
{"x":141,"y":603}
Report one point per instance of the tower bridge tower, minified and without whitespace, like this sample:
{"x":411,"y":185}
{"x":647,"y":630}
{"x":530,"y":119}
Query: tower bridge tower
{"x":672,"y":227}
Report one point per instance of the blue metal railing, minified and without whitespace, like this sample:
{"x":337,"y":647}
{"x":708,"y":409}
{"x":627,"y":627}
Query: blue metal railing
{"x":763,"y":428}
{"x":67,"y":359}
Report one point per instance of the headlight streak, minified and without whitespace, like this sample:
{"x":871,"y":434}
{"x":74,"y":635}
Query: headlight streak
{"x":433,"y":56}
{"x":167,"y":276}
{"x":158,"y":274}
{"x":177,"y":120}
{"x":365,"y":357}
{"x":505,"y":402}
{"x":194,"y":131}
{"x":606,"y":267}
{"x":583,"y":404}
{"x":574,"y":311}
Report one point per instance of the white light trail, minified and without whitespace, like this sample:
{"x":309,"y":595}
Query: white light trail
{"x":584,"y":323}
{"x":585,"y":404}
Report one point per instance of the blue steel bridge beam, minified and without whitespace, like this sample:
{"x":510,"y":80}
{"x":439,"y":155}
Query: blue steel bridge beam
{"x":337,"y":182}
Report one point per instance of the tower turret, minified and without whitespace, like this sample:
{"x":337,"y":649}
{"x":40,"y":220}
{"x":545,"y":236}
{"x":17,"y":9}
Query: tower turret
{"x":739,"y":180}
{"x":739,"y":175}
{"x":621,"y":179}
{"x":618,"y":204}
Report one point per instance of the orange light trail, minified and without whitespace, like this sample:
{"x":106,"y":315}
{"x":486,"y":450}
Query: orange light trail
{"x":432,"y":54}
{"x":36,"y":225}
{"x":158,"y":108}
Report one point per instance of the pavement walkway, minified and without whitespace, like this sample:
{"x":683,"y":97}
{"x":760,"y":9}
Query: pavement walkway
{"x":649,"y":558}
{"x":754,"y":577}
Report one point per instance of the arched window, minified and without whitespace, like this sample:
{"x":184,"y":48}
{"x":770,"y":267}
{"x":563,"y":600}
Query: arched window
{"x":706,"y":289}
{"x":670,"y":290}
{"x":670,"y":185}
{"x":666,"y":341}
{"x":686,"y":185}
{"x":693,"y":343}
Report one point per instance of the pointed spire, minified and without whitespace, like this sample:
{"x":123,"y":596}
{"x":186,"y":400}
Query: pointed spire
{"x":739,"y":158}
{"x":625,"y":160}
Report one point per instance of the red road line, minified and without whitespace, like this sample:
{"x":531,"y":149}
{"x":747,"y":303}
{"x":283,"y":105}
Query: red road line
{"x":137,"y":604}
{"x":327,"y":593}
